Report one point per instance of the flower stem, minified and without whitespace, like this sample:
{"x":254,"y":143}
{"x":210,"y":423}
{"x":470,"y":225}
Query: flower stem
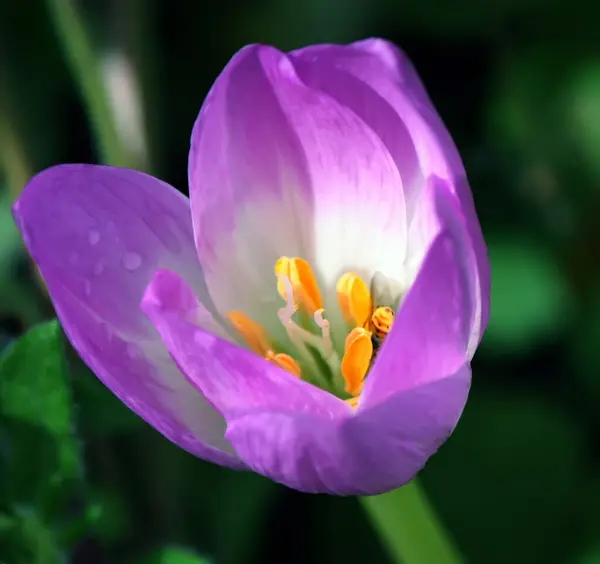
{"x":409,"y":528}
{"x":85,"y":68}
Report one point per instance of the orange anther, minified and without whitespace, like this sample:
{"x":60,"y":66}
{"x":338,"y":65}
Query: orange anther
{"x":356,"y":360}
{"x":284,"y":361}
{"x":304,"y":285}
{"x":354,"y":299}
{"x":253,"y":334}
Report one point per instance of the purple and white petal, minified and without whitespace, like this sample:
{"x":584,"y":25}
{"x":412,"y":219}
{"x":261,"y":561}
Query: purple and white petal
{"x":388,"y":73}
{"x":97,"y":234}
{"x":233,"y":379}
{"x":280,"y":168}
{"x":431,"y":331}
{"x":411,"y":401}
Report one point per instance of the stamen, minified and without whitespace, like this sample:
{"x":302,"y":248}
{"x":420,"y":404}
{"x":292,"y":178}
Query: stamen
{"x":284,"y":361}
{"x":253,"y":334}
{"x":354,"y":299}
{"x":323,"y":324}
{"x":305,"y":290}
{"x":299,"y":337}
{"x":287,"y":311}
{"x":356,"y":360}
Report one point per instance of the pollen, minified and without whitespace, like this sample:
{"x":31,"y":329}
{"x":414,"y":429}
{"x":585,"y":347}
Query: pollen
{"x":304,"y":286}
{"x":354,"y":300}
{"x":358,"y":351}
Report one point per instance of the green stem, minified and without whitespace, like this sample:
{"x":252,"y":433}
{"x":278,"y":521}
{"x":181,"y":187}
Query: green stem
{"x":85,"y":68}
{"x":408,"y":526}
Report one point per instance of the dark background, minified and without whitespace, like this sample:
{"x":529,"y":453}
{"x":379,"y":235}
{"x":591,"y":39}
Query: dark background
{"x":517,"y":83}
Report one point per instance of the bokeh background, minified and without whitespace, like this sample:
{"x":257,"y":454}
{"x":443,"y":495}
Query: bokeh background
{"x":517,"y":83}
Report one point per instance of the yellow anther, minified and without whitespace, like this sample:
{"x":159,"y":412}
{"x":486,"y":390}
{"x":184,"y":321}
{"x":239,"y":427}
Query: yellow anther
{"x":354,"y":299}
{"x":357,"y":357}
{"x":304,"y":285}
{"x":284,"y":361}
{"x":251,"y":332}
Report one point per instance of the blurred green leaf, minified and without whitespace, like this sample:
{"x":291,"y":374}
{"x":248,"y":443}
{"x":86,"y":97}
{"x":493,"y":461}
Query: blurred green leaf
{"x":243,"y":504}
{"x":548,"y":122}
{"x":530,"y":300}
{"x":36,"y":412}
{"x":98,"y":412}
{"x":26,"y":539}
{"x":514,"y":470}
{"x":15,"y":297}
{"x":585,"y":352}
{"x":590,"y":557}
{"x":174,"y":555}
{"x":109,"y":516}
{"x":582,"y":104}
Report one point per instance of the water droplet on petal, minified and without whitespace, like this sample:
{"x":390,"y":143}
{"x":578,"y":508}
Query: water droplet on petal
{"x":98,"y":268}
{"x":93,"y":237}
{"x":132,"y":261}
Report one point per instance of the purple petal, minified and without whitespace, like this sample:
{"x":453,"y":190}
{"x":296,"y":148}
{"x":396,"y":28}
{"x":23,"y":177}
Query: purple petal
{"x":97,"y":234}
{"x":388,"y":73}
{"x":233,"y":379}
{"x":411,"y":402}
{"x":432,"y":328}
{"x":280,"y":168}
{"x":332,"y":69}
{"x":373,"y":452}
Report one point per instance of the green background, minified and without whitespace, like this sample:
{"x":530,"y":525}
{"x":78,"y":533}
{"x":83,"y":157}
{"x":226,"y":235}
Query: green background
{"x":517,"y":83}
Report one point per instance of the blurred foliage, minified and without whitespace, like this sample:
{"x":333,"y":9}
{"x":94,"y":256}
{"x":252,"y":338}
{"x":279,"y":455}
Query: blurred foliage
{"x":84,"y":481}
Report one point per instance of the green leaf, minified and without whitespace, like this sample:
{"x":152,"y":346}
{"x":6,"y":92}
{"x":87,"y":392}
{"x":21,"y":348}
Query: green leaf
{"x":36,"y":417}
{"x":530,"y":299}
{"x":173,"y":555}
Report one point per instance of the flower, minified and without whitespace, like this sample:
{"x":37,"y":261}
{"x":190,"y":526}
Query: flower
{"x":323,"y":186}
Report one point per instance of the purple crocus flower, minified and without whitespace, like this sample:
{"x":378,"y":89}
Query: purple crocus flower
{"x":325,"y":197}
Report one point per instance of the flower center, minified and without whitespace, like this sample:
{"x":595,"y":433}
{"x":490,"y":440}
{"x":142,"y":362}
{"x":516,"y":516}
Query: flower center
{"x":368,"y":315}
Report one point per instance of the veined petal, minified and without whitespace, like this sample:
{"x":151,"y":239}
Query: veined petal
{"x":233,"y":379}
{"x":97,"y":234}
{"x":330,"y":69}
{"x":387,"y":73}
{"x":278,"y":168}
